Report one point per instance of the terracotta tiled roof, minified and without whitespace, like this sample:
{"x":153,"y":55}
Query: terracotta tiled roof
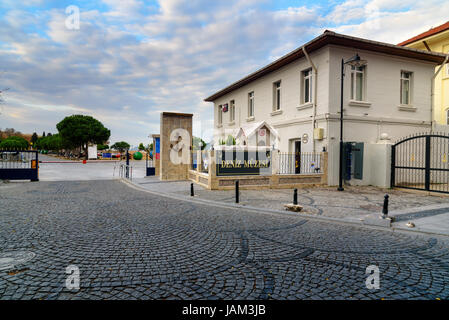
{"x":426,"y":34}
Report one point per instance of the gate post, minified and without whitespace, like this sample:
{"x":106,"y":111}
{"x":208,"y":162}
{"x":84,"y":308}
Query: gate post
{"x":36,"y":176}
{"x":427,"y":172}
{"x":393,"y":166}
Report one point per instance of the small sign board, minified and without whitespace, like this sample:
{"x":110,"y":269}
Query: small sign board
{"x":236,"y":163}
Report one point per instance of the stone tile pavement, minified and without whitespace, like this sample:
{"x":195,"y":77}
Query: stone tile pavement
{"x":430,"y":213}
{"x":131,"y":244}
{"x":69,"y":171}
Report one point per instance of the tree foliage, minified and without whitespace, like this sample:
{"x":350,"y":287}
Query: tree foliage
{"x":198,"y":143}
{"x":230,"y":141}
{"x":121,"y":146}
{"x":14,"y":143}
{"x":141,"y":146}
{"x":102,"y":147}
{"x":52,"y":142}
{"x":34,"y":138}
{"x":79,"y":130}
{"x":10,"y":132}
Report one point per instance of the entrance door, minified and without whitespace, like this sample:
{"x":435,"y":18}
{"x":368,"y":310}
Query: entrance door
{"x":297,"y":156}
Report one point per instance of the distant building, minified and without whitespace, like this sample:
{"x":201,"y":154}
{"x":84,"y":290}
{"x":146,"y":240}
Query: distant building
{"x":298,"y":96}
{"x":437,"y":40}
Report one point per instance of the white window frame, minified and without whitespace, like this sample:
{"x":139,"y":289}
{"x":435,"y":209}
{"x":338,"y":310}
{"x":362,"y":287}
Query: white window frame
{"x":232,"y":111}
{"x":354,"y":72}
{"x":410,"y":87}
{"x":220,"y":115}
{"x":251,"y":104}
{"x":277,"y":95}
{"x":307,"y":78}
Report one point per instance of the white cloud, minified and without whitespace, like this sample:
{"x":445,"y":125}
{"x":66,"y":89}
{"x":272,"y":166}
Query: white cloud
{"x":129,"y":63}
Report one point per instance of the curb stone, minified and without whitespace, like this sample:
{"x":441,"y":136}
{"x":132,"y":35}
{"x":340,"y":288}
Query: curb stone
{"x":353,"y":222}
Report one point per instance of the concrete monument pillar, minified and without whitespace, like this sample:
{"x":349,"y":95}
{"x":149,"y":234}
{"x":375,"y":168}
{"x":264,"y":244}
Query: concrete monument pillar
{"x":176,"y":145}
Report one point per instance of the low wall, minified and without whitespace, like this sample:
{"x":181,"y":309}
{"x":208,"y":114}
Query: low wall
{"x":287,"y":181}
{"x":200,"y":178}
{"x":274,"y":181}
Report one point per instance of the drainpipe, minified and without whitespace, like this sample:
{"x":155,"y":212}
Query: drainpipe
{"x":432,"y":92}
{"x":315,"y":82}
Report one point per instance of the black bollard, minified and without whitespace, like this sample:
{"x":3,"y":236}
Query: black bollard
{"x":295,"y":196}
{"x":236,"y":191}
{"x":385,"y":208}
{"x":191,"y":190}
{"x":127,"y":164}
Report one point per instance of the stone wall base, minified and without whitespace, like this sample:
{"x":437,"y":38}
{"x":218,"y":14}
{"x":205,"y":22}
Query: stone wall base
{"x":257,"y":182}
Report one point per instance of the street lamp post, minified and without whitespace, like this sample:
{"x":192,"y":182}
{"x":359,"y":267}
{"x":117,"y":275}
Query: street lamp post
{"x":354,"y":61}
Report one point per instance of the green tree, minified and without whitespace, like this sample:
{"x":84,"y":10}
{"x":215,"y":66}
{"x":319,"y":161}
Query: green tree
{"x":141,"y":146}
{"x":149,"y":149}
{"x":34,"y":138}
{"x":230,"y":141}
{"x":102,"y":147}
{"x":14,"y":143}
{"x":79,"y":130}
{"x":52,"y":142}
{"x":121,"y":146}
{"x":198,"y":143}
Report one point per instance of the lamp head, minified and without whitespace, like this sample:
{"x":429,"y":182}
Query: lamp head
{"x":355,"y":61}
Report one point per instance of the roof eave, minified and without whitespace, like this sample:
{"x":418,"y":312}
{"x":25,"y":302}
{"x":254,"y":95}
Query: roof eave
{"x":329,"y":37}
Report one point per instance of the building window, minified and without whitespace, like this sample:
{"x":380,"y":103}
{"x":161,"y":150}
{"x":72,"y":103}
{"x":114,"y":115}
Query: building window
{"x":307,"y":86}
{"x":251,"y":104}
{"x":406,"y":79}
{"x":277,"y":96}
{"x":357,"y":83}
{"x":220,"y":115}
{"x":232,"y":111}
{"x":447,"y":116}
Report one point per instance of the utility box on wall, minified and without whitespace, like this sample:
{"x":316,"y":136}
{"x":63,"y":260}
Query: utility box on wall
{"x":318,"y":133}
{"x":353,"y":160}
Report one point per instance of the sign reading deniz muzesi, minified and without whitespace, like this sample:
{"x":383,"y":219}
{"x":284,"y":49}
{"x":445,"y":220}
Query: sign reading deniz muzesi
{"x":233,"y":163}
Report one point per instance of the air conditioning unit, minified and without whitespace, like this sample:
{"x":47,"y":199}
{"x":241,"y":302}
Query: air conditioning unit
{"x":318,"y":133}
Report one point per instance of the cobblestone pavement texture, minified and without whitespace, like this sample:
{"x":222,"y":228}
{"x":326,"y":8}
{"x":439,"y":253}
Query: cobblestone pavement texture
{"x":130,"y":244}
{"x":101,"y":170}
{"x":354,"y":202}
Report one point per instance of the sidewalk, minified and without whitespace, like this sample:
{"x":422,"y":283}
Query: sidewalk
{"x":429,"y":213}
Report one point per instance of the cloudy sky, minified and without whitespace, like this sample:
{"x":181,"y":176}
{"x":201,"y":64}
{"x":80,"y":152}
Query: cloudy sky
{"x":131,"y":59}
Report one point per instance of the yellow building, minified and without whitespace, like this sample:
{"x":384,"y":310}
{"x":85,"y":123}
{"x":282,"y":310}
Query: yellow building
{"x":436,"y":39}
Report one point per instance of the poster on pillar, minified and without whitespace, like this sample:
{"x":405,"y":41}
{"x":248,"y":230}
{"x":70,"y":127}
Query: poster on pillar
{"x":158,"y":148}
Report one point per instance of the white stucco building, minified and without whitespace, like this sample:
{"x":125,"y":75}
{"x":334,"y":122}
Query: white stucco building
{"x":298,"y":95}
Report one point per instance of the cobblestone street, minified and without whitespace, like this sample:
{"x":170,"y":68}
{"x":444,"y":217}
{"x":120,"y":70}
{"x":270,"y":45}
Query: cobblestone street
{"x":129,"y":244}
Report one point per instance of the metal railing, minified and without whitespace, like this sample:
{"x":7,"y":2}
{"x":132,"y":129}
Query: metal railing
{"x":300,"y":163}
{"x":17,"y":159}
{"x":126,"y":171}
{"x":203,"y":165}
{"x":150,"y":163}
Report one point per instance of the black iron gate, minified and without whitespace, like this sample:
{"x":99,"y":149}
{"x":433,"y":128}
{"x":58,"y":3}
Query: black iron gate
{"x":19,"y":165}
{"x":421,"y":162}
{"x":151,"y":170}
